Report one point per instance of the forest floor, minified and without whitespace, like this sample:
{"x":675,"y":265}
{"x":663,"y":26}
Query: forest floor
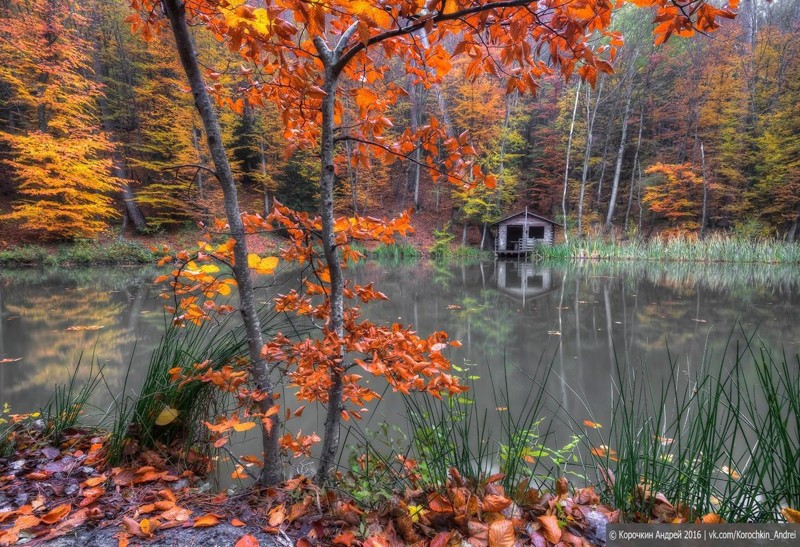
{"x":69,"y":495}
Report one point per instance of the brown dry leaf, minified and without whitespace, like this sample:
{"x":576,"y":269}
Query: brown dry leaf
{"x":57,"y":513}
{"x":562,"y":486}
{"x":791,"y":515}
{"x":550,"y":529}
{"x":167,"y":494}
{"x":346,"y":538}
{"x":303,"y":542}
{"x":377,"y":541}
{"x":131,"y":527}
{"x":123,"y":539}
{"x":238,"y":523}
{"x":247,"y":541}
{"x":206,"y":520}
{"x":178,"y":514}
{"x":146,"y":508}
{"x":164,"y":505}
{"x":478,"y":533}
{"x":95,"y":481}
{"x":712,"y":518}
{"x":494,"y":503}
{"x":442,"y":539}
{"x":437,"y":503}
{"x":298,"y":510}
{"x":277,"y":515}
{"x":501,"y":534}
{"x":10,"y":537}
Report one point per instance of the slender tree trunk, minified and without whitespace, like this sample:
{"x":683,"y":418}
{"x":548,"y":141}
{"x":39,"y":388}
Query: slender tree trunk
{"x":602,"y":176}
{"x":633,"y":167}
{"x":262,"y":156}
{"x":612,"y":203}
{"x":639,"y":197}
{"x":704,"y":217}
{"x":416,"y":119}
{"x":330,"y":441}
{"x":566,"y":165}
{"x":792,"y":233}
{"x":132,"y":211}
{"x":272,"y":471}
{"x":588,"y":152}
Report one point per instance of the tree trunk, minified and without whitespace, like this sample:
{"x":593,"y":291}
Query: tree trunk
{"x":262,"y":154}
{"x":566,"y":165}
{"x":330,"y":441}
{"x":272,"y":471}
{"x":588,"y":152}
{"x":633,"y":167}
{"x":704,"y":217}
{"x":792,"y":233}
{"x":612,"y":202}
{"x":132,"y":210}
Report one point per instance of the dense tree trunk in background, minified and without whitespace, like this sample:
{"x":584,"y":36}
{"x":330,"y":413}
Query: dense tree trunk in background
{"x":591,"y":115}
{"x":259,"y":371}
{"x":353,"y":176}
{"x":267,"y":195}
{"x":704,"y":216}
{"x":634,"y":165}
{"x":566,"y":164}
{"x":612,"y":202}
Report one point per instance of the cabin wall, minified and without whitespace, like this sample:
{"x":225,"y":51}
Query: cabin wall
{"x":503,"y":242}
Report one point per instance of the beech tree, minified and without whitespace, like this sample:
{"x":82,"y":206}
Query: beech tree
{"x":300,"y":52}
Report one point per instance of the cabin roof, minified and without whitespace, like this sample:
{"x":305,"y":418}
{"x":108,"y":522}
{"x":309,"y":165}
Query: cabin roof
{"x":522,"y":213}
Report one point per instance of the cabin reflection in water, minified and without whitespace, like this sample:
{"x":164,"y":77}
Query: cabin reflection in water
{"x":523,"y":280}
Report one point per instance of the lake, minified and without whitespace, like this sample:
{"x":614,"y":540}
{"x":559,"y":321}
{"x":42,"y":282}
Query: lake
{"x":585,"y":319}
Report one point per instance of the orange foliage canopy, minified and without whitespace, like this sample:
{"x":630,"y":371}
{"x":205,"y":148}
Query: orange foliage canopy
{"x":518,"y":40}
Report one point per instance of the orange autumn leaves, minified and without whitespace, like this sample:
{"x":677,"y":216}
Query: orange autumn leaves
{"x":396,"y":353}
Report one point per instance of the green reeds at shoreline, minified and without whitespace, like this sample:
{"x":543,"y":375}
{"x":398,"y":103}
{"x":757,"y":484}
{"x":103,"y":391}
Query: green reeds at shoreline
{"x":722,"y":437}
{"x":715,"y":248}
{"x":80,"y":253}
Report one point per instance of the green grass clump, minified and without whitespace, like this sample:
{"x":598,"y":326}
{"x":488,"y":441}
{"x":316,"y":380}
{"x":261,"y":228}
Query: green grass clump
{"x":65,"y":406}
{"x":27,"y":255}
{"x":80,"y":253}
{"x":395,"y":252}
{"x":716,"y":248}
{"x":84,"y":253}
{"x":724,"y":441}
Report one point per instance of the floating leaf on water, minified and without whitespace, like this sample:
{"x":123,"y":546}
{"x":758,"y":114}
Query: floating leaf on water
{"x":82,"y":328}
{"x":10,"y":360}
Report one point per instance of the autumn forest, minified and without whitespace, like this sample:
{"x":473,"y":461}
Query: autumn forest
{"x":98,"y":132}
{"x":201,"y":202}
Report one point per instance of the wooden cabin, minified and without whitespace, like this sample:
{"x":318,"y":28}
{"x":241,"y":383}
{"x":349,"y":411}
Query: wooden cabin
{"x":519,"y":233}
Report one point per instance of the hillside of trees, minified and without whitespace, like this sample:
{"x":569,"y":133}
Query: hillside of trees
{"x":99,"y":134}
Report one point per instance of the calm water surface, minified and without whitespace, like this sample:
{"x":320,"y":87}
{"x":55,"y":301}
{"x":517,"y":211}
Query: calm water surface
{"x":511,"y":317}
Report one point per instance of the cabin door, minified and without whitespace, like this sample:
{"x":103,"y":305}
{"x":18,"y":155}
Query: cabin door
{"x":514,"y":238}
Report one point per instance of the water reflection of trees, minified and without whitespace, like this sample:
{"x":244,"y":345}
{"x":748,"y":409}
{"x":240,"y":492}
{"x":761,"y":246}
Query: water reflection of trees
{"x":36,"y":309}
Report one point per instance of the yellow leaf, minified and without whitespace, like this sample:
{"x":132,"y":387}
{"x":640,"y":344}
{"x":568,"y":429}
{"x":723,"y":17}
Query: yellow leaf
{"x":243,"y":426}
{"x":167,"y":416}
{"x":209,"y":268}
{"x":264,"y":265}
